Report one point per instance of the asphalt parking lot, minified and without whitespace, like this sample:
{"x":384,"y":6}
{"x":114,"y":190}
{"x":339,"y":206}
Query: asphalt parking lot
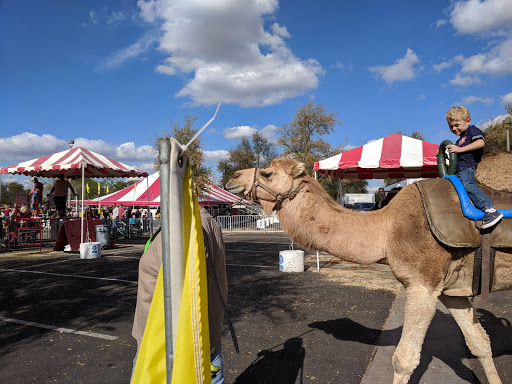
{"x":67,"y":320}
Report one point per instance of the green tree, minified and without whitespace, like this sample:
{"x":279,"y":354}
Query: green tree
{"x":496,"y":136}
{"x":9,"y":191}
{"x":302,"y":138}
{"x":183,"y":133}
{"x":256,"y":153}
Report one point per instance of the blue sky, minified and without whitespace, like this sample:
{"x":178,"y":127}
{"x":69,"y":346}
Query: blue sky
{"x":110,"y":74}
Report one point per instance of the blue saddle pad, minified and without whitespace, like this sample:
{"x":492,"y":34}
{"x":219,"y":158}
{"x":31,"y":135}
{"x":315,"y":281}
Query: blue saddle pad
{"x":469,"y":210}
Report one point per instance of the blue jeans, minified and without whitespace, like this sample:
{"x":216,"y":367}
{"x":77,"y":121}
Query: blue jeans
{"x":216,"y":358}
{"x":477,"y":196}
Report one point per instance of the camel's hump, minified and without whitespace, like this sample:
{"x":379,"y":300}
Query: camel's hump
{"x":495,"y":171}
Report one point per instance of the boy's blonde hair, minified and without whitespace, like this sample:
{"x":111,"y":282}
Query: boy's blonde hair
{"x":457,"y":113}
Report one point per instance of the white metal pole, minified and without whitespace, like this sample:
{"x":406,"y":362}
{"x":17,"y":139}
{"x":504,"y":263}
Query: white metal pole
{"x":178,"y":165}
{"x":82,"y":213}
{"x":164,"y":155}
{"x":317,"y":253}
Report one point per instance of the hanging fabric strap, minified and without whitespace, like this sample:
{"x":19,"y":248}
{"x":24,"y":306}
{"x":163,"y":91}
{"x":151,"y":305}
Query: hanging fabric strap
{"x":219,"y":293}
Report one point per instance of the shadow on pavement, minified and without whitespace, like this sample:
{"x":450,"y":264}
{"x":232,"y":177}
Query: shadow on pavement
{"x":283,"y":366}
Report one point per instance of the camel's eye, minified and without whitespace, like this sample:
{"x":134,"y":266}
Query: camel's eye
{"x":236,"y":175}
{"x":266,"y":174}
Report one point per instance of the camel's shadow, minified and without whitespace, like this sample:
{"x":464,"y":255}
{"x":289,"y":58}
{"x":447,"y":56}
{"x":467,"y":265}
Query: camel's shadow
{"x":444,"y":340}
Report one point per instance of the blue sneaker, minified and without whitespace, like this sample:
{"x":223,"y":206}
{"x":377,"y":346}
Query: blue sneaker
{"x":491,"y":219}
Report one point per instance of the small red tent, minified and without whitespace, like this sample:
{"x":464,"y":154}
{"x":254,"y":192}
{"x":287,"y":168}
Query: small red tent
{"x":394,"y":156}
{"x":147,"y":192}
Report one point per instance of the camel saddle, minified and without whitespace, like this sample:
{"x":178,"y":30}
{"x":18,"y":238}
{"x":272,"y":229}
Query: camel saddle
{"x":448,"y":223}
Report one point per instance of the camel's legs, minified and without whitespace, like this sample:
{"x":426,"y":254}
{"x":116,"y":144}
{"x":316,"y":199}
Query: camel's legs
{"x":476,"y":338}
{"x":420,"y":307}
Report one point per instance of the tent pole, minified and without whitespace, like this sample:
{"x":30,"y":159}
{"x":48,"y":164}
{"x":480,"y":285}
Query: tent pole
{"x":150,"y":227}
{"x":317,"y":253}
{"x":164,"y":153}
{"x":83,"y":213}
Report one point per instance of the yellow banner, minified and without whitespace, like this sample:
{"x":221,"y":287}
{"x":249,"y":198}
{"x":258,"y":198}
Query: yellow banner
{"x":192,"y":354}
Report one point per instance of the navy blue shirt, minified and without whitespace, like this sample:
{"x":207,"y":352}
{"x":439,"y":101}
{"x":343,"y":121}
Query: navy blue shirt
{"x":472,"y":158}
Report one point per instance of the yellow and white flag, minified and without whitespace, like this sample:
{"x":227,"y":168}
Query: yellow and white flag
{"x":192,"y":354}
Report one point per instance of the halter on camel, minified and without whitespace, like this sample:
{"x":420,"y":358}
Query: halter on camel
{"x":251,"y":195}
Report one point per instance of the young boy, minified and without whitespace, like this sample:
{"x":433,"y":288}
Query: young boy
{"x":469,"y":149}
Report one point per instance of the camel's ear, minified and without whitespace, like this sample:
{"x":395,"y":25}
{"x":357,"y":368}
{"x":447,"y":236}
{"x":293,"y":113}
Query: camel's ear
{"x":298,"y":169}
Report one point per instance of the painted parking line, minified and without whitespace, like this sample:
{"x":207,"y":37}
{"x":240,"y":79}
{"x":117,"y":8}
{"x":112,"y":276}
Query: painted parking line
{"x":67,"y":275}
{"x":44,"y":264}
{"x":58,"y":329}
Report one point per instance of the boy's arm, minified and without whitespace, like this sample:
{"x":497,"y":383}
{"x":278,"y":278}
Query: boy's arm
{"x":477,"y":144}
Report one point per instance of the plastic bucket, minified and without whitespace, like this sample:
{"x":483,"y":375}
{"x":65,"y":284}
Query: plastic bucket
{"x":90,"y":250}
{"x":291,"y":261}
{"x":103,"y":235}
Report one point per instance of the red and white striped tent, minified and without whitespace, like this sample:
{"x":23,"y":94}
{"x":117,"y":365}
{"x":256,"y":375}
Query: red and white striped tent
{"x":394,"y":156}
{"x":75,"y":162}
{"x":147,"y":192}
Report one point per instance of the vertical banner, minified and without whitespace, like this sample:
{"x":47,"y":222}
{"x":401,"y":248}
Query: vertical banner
{"x":192,"y":351}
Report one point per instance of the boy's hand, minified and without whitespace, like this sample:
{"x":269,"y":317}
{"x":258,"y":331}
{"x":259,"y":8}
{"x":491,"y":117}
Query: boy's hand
{"x":452,"y":148}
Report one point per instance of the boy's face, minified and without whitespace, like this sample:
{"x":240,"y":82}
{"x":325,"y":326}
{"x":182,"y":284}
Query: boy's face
{"x":459,"y":125}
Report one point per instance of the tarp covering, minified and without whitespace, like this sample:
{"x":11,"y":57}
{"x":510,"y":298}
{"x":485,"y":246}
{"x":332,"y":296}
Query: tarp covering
{"x":146,"y":193}
{"x":70,"y":163}
{"x":394,"y":156}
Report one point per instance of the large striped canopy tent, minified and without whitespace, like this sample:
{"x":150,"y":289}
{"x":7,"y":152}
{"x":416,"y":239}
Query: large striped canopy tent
{"x":75,"y":162}
{"x":147,"y":192}
{"x":394,"y":156}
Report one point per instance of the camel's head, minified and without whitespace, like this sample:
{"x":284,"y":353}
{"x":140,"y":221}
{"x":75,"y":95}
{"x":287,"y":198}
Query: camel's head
{"x":267,"y":184}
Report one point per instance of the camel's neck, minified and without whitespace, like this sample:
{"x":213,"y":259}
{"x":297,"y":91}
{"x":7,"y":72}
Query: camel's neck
{"x":316,"y":222}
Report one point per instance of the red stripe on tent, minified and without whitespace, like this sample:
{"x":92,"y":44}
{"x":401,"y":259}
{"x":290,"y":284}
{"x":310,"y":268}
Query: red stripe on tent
{"x":94,"y":159}
{"x":391,"y":149}
{"x":40,"y":161}
{"x":68,"y":154}
{"x":429,"y":153}
{"x":350,"y":158}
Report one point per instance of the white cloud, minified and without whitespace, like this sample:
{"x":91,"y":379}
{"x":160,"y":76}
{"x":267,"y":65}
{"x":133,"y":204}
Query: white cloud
{"x":443,"y":65}
{"x":495,"y":62}
{"x":115,"y":17}
{"x":215,"y":156}
{"x":475,"y":99}
{"x":92,"y":17}
{"x":269,"y":132}
{"x":126,"y":152}
{"x":490,"y":122}
{"x":228,"y":54}
{"x":441,"y":22}
{"x":27,"y":146}
{"x":475,"y":16}
{"x":463,"y":81}
{"x":403,"y":69}
{"x":507,"y":99}
{"x":136,"y":49}
{"x":237,"y":133}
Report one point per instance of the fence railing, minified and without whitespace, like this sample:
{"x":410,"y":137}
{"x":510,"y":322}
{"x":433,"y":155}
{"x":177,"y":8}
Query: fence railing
{"x":249,"y":223}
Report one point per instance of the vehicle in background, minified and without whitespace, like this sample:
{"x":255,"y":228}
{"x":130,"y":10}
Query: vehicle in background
{"x":363,"y":201}
{"x":364,"y":207}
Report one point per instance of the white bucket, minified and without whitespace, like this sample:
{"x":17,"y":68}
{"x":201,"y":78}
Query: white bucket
{"x":90,"y":250}
{"x":291,"y":261}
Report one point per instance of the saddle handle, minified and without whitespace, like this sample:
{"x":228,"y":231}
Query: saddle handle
{"x":441,"y":160}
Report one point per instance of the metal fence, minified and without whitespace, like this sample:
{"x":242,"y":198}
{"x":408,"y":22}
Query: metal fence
{"x":249,"y":223}
{"x":43,"y":231}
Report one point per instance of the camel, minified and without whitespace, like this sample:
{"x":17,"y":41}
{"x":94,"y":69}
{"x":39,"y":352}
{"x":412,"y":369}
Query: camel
{"x":398,"y":234}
